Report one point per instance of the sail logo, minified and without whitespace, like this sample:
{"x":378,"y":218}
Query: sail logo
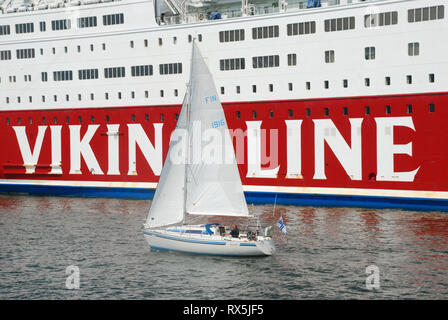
{"x":219,"y":123}
{"x":210,"y":99}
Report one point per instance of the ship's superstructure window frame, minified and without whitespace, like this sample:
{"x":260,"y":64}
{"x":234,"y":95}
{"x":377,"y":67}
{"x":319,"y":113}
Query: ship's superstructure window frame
{"x":301,"y":28}
{"x":381,"y":19}
{"x":232,"y":64}
{"x":339,"y":24}
{"x":112,"y":19}
{"x":292,"y":59}
{"x":114,"y":72}
{"x":141,"y":71}
{"x":369,"y":53}
{"x":413,"y":49}
{"x":24,"y":27}
{"x":43,"y":26}
{"x":270,"y":61}
{"x":88,"y":74}
{"x":87,"y":22}
{"x":25,"y":53}
{"x":265,"y":32}
{"x":329,"y":56}
{"x":231,"y":35}
{"x":5,"y":55}
{"x":61,"y":24}
{"x":426,"y":14}
{"x":5,"y":30}
{"x":170,"y":68}
{"x":65,"y":75}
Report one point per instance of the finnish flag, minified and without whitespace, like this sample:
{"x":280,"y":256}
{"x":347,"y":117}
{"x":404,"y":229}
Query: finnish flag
{"x":282,"y":226}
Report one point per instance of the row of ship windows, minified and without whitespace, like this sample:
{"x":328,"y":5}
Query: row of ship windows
{"x":326,"y":85}
{"x":308,"y":27}
{"x":63,"y":24}
{"x":326,"y":112}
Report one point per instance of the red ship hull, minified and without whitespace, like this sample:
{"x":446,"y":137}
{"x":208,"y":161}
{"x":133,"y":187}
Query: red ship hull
{"x":307,"y":152}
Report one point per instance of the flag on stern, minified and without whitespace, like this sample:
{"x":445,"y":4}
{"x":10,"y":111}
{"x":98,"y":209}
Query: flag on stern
{"x":282,"y":226}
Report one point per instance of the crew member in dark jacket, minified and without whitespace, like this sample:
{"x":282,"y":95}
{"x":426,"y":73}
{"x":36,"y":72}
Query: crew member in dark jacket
{"x":235,"y":232}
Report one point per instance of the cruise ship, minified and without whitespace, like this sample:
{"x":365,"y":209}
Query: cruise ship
{"x":331,"y":103}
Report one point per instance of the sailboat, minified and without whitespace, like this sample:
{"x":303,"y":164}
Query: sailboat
{"x":200,"y":177}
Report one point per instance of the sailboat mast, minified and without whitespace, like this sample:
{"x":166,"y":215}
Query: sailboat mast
{"x":187,"y":153}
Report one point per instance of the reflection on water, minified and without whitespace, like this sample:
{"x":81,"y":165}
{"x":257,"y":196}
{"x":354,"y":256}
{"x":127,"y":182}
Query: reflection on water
{"x":324,"y":256}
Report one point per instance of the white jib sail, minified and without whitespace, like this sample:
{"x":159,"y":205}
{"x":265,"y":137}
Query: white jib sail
{"x":213,"y":181}
{"x":167,"y":206}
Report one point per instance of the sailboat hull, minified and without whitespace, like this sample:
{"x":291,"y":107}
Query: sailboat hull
{"x":208,"y":245}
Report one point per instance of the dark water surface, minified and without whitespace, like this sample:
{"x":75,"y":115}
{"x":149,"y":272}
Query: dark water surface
{"x":325,"y":255}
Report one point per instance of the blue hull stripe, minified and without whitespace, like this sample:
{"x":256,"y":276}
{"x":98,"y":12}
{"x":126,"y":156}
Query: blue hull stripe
{"x":202,"y":254}
{"x":307,"y":199}
{"x":183,"y":239}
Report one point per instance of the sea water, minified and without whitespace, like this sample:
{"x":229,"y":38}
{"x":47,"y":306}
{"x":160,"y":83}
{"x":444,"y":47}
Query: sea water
{"x":77,"y":248}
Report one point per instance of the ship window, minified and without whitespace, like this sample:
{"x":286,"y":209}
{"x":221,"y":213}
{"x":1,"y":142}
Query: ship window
{"x":254,"y":114}
{"x":25,"y":53}
{"x":292,"y":59}
{"x":231,"y":35}
{"x":170,"y":68}
{"x":79,"y":119}
{"x":345,"y":83}
{"x":107,"y":118}
{"x":413,"y":49}
{"x":339,"y":24}
{"x":67,"y":119}
{"x":147,"y":117}
{"x":326,"y":112}
{"x":265,"y":61}
{"x":63,"y":24}
{"x":308,"y":85}
{"x":387,"y":80}
{"x":19,"y":121}
{"x":290,"y":113}
{"x":119,"y":95}
{"x":290,"y":86}
{"x":146,"y":43}
{"x":271,"y":87}
{"x":5,"y":30}
{"x":162,"y":117}
{"x":190,"y":38}
{"x":232,"y":64}
{"x":380,"y":19}
{"x":308,"y":112}
{"x":141,"y":71}
{"x":367,"y":82}
{"x":44,"y":120}
{"x":30,"y":120}
{"x":238,"y":114}
{"x":409,"y":108}
{"x":431,"y":107}
{"x":238,"y":89}
{"x":426,"y":14}
{"x":133,"y":94}
{"x":160,"y":41}
{"x":174,"y":40}
{"x":18,"y":99}
{"x":409,"y":79}
{"x":67,"y":97}
{"x":91,"y":47}
{"x":79,"y":97}
{"x":161,"y":93}
{"x":24,"y":27}
{"x":54,"y":50}
{"x":7,"y":99}
{"x":254,"y":88}
{"x":326,"y":84}
{"x":329,"y":56}
{"x":200,"y":37}
{"x":87,"y":22}
{"x":55,"y":120}
{"x":345,"y":111}
{"x":111,"y":19}
{"x":431,"y":78}
{"x":63,"y":75}
{"x":5,"y":55}
{"x":55,"y":98}
{"x":146,"y":94}
{"x":222,"y":90}
{"x":65,"y":49}
{"x":43,"y":98}
{"x":92,"y":119}
{"x":176,"y":92}
{"x":104,"y":47}
{"x":300,"y":28}
{"x":367,"y":109}
{"x":92,"y":96}
{"x":114,"y":72}
{"x":133,"y":118}
{"x":271,"y":114}
{"x":265,"y":32}
{"x":106,"y":95}
{"x":7,"y":121}
{"x":79,"y":48}
{"x":387,"y":109}
{"x":41,"y":51}
{"x":176,"y":116}
{"x":88,"y":74}
{"x":369,"y":53}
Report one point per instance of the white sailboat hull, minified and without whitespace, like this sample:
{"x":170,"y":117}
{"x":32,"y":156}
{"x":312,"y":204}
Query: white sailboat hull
{"x":208,"y":244}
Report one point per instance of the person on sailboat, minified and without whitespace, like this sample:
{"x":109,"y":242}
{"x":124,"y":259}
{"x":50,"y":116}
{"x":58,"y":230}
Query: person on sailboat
{"x":235,"y":233}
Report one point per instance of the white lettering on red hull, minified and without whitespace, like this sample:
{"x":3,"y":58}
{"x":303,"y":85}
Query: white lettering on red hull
{"x":349,"y":155}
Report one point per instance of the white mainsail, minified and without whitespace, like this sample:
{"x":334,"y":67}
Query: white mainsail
{"x":200,"y":174}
